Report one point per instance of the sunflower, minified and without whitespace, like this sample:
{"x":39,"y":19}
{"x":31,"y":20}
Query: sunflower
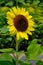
{"x":20,"y":23}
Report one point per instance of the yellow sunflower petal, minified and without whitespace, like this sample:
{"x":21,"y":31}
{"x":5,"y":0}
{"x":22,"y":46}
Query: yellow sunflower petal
{"x":11,"y":28}
{"x":29,"y":32}
{"x":15,"y":10}
{"x":12,"y":33}
{"x":10,"y":22}
{"x":24,"y":35}
{"x":10,"y":15}
{"x":26,"y":14}
{"x":31,"y":29}
{"x":17,"y":36}
{"x":23,"y":11}
{"x":18,"y":10}
{"x":28,"y":17}
{"x":31,"y":23}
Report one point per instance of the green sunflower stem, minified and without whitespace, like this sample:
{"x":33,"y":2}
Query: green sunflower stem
{"x":17,"y":52}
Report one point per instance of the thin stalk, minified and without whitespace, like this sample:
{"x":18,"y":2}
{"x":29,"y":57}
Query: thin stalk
{"x":16,"y":52}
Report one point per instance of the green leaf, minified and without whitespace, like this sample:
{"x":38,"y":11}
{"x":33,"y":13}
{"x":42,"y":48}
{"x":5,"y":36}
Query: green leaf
{"x":41,"y":4}
{"x":9,"y":39}
{"x":24,"y":63}
{"x":4,"y":9}
{"x":2,"y":0}
{"x":20,"y":0}
{"x":28,"y":1}
{"x":36,"y":2}
{"x":5,"y":56}
{"x":9,"y":3}
{"x":34,"y":50}
{"x":6,"y":63}
{"x":39,"y":63}
{"x":41,"y":49}
{"x":4,"y":29}
{"x":7,"y":50}
{"x":6,"y":59}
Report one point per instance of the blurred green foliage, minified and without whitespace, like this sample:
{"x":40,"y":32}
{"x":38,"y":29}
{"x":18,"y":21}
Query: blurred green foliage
{"x":39,"y":63}
{"x":34,"y":50}
{"x":34,"y":46}
{"x":6,"y":59}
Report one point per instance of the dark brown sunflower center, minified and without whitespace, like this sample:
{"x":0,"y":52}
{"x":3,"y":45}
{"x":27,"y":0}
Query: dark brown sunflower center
{"x":20,"y":23}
